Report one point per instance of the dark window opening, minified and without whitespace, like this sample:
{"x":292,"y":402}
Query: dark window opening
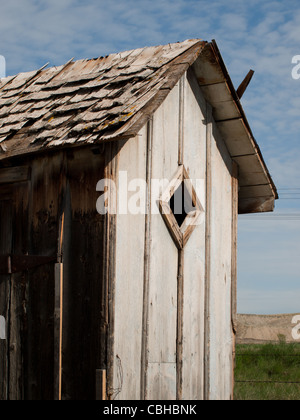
{"x":181,"y":204}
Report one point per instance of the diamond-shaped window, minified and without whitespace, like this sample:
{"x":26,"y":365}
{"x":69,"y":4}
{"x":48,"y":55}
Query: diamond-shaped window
{"x":180,"y":207}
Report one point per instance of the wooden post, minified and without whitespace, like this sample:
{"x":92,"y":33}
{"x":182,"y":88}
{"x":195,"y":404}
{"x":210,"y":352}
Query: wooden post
{"x":101,"y":385}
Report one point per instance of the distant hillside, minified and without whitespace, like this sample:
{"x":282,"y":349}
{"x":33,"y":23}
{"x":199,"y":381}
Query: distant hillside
{"x":265,"y":328}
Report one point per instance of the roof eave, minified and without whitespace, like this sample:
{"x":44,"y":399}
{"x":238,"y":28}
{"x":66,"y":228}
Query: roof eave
{"x":257,"y":189}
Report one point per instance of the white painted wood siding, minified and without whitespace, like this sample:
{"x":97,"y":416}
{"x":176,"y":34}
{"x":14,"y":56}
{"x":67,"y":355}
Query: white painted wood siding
{"x":145,"y":346}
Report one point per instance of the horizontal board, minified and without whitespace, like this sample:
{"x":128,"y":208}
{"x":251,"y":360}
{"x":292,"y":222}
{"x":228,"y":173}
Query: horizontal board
{"x":255,"y":191}
{"x":237,"y":142}
{"x":13,"y":175}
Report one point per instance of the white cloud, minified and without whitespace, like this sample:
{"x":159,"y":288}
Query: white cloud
{"x":233,"y":22}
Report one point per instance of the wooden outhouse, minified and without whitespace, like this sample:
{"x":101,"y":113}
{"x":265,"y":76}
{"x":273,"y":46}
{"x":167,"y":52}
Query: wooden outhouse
{"x":137,"y":301}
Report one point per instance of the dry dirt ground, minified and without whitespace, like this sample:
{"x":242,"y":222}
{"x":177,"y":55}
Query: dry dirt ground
{"x":266,"y":328}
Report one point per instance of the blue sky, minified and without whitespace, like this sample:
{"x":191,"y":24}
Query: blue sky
{"x":259,"y":35}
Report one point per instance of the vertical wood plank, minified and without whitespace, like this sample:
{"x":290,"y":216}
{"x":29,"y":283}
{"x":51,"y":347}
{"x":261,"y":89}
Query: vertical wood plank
{"x":15,"y":340}
{"x":194,"y":250}
{"x":180,"y":332}
{"x":58,"y":331}
{"x":220,"y":271}
{"x":44,"y":211}
{"x":181,"y":122}
{"x":235,"y":192}
{"x":111,"y":170}
{"x":147,"y":257}
{"x":21,"y":246}
{"x":17,"y":235}
{"x":207,"y":253}
{"x":83,"y":275}
{"x":130,"y":270}
{"x":162,"y":341}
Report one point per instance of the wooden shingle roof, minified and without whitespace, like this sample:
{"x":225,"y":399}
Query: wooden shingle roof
{"x":89,"y":101}
{"x":110,"y":98}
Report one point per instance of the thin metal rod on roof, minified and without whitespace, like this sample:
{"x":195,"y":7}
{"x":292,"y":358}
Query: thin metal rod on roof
{"x":245,"y":83}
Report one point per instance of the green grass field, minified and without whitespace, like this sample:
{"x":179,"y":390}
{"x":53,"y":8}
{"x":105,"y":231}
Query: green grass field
{"x":267,"y":363}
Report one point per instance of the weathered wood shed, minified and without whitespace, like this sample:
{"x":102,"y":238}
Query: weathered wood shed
{"x":144,"y":302}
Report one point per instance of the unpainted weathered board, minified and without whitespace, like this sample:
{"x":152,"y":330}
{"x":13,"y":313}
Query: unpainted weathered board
{"x":44,"y":193}
{"x":234,"y":255}
{"x":14,"y":234}
{"x":14,"y":174}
